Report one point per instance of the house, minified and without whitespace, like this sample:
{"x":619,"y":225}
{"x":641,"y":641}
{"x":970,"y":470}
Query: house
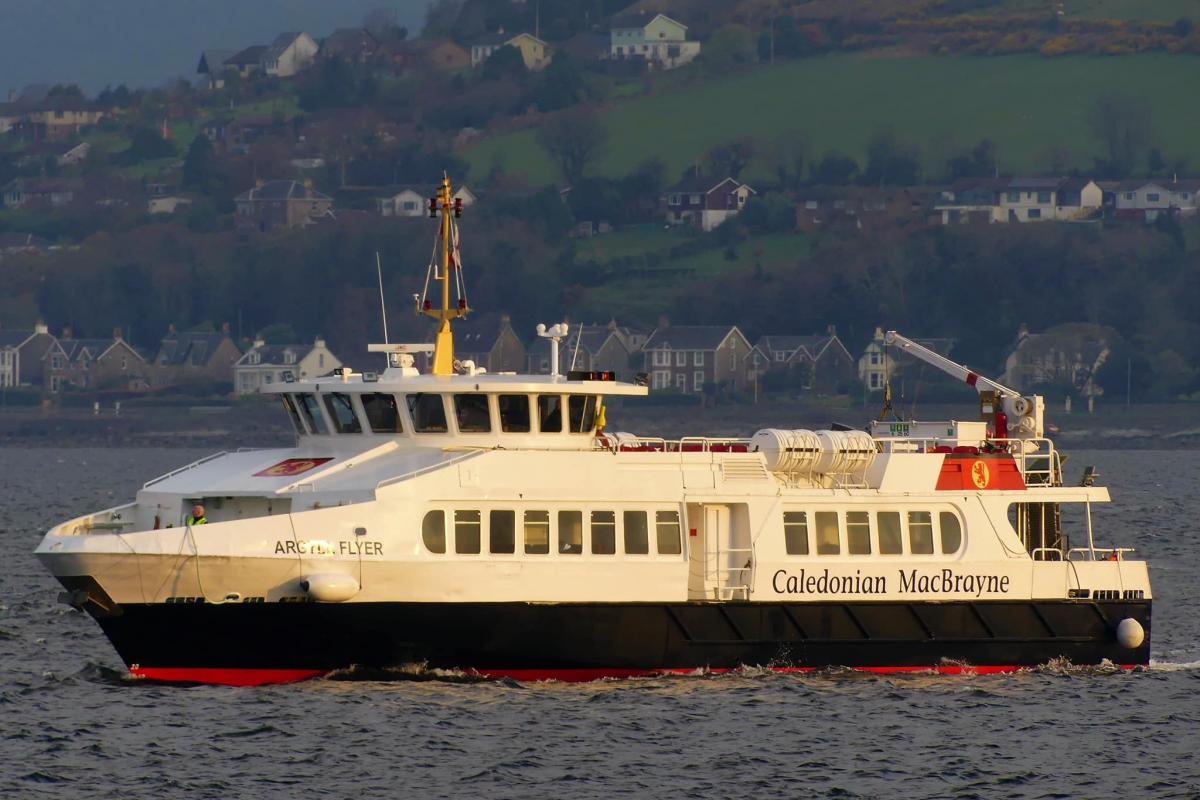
{"x":819,"y":363}
{"x":54,"y":118}
{"x":534,"y":52}
{"x":489,"y":341}
{"x":265,"y":364}
{"x":658,"y":40}
{"x":53,"y":192}
{"x":856,"y":208}
{"x":1143,"y":200}
{"x":194,"y":356}
{"x":599,"y":348}
{"x":212,"y":67}
{"x":689,"y":357}
{"x":880,"y":363}
{"x":1067,"y":356}
{"x":111,"y":364}
{"x":289,"y":54}
{"x":704,"y":202}
{"x":64,"y":154}
{"x":281,"y":204}
{"x":247,"y":61}
{"x":351,"y":45}
{"x":406,"y":56}
{"x":166,"y":204}
{"x":586,"y":46}
{"x":21,"y":354}
{"x":1020,"y":200}
{"x":411,"y":202}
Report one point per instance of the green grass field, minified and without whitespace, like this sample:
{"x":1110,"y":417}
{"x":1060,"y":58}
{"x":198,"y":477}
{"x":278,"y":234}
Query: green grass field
{"x":1026,"y":103}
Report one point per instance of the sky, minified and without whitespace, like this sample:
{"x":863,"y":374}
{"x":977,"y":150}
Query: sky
{"x":96,"y":43}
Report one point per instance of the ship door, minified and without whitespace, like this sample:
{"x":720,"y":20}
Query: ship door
{"x":720,"y":558}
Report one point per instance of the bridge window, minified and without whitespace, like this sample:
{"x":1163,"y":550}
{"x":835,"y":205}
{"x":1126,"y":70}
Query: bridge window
{"x":667,"y":525}
{"x":290,"y":406}
{"x":951,"y":532}
{"x":466,"y":532}
{"x":549,"y":413}
{"x":828,"y":541}
{"x":858,"y":533}
{"x":570,"y":532}
{"x":920,"y":533}
{"x":341,"y":411}
{"x":428,"y":413}
{"x":472,"y":413}
{"x":604,"y":533}
{"x":537,"y":532}
{"x":502,"y":531}
{"x":582,"y":411}
{"x":890,"y":540}
{"x":795,"y":533}
{"x":514,"y":413}
{"x":310,"y":409}
{"x":382,"y":413}
{"x":433,"y":531}
{"x":637,"y":539}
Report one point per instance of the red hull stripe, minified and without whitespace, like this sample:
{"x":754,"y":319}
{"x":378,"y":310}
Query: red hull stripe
{"x":225,"y":677}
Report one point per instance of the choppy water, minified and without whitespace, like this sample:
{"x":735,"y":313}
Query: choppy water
{"x":72,"y":726}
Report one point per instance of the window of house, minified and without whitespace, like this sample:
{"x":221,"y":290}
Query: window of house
{"x":341,"y":412}
{"x":681,"y":381}
{"x":537,"y":532}
{"x":427,"y":411}
{"x":289,"y":357}
{"x":502,"y":532}
{"x":310,"y":407}
{"x":637,"y":538}
{"x":795,"y":533}
{"x":1013,"y":197}
{"x":920,"y":532}
{"x":290,"y":407}
{"x":433,"y":531}
{"x":858,"y":533}
{"x":874,"y":380}
{"x":604,"y":533}
{"x":698,"y":358}
{"x":874,"y":358}
{"x":466,"y":532}
{"x":888,"y":523}
{"x":680,"y":359}
{"x":581,"y":410}
{"x":1129,"y":195}
{"x":514,"y":413}
{"x":828,"y":542}
{"x":662,"y":358}
{"x":1034,"y":213}
{"x":673,"y":199}
{"x":471,"y":411}
{"x":951,"y":532}
{"x":409,"y":205}
{"x":56,"y":362}
{"x":666,"y":524}
{"x":1044,"y":198}
{"x":697,"y":380}
{"x":320,"y":361}
{"x":254,"y":358}
{"x":780,"y":356}
{"x":383,"y":415}
{"x":1152,"y":197}
{"x":570,"y":532}
{"x":549,"y":413}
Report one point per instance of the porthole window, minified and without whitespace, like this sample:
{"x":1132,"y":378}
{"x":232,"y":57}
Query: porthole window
{"x":920,"y":533}
{"x":637,"y":539}
{"x":604,"y":533}
{"x":433,"y":531}
{"x":666,"y":524}
{"x":890,"y":542}
{"x":858,"y":533}
{"x":537,"y":532}
{"x":795,"y":533}
{"x":466,"y":532}
{"x":570,"y":532}
{"x":828,"y":543}
{"x":951,"y":532}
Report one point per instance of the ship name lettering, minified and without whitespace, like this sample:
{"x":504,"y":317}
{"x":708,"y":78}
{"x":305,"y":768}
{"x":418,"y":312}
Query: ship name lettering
{"x":323,"y":548}
{"x":948,"y":581}
{"x":824,"y":583}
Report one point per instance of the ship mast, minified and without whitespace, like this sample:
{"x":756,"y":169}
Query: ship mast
{"x":448,"y":208}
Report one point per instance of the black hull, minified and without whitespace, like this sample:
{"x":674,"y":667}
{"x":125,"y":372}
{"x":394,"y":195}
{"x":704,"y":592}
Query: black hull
{"x":587,"y":640}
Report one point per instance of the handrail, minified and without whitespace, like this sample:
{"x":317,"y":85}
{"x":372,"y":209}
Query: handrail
{"x":422,"y":470}
{"x":1114,"y":553}
{"x":184,"y":468}
{"x":1028,"y":461}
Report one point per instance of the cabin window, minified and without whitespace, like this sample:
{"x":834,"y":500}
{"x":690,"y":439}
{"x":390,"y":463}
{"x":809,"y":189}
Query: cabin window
{"x":311,"y":410}
{"x":433,"y":531}
{"x":471,"y":411}
{"x":920,"y":532}
{"x":502,"y":532}
{"x":341,"y":411}
{"x":382,"y":413}
{"x":890,"y":540}
{"x":951,"y":532}
{"x":428,"y":413}
{"x":466,"y":532}
{"x":828,"y":543}
{"x":582,"y":411}
{"x":858,"y":533}
{"x":514,"y":413}
{"x":290,"y":406}
{"x":549,"y":413}
{"x":637,"y":539}
{"x":667,"y":525}
{"x":537,"y":532}
{"x":604,"y":533}
{"x":570,"y":532}
{"x":795,"y":533}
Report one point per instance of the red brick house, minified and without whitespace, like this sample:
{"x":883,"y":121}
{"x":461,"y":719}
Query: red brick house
{"x":704,"y":202}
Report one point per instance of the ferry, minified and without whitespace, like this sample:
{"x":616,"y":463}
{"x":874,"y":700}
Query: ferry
{"x":490,"y":523}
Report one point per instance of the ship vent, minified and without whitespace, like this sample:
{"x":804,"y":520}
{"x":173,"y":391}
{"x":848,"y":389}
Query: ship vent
{"x":744,"y":470}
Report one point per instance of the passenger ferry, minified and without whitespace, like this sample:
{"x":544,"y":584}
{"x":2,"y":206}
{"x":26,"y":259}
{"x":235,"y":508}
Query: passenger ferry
{"x":490,"y":523}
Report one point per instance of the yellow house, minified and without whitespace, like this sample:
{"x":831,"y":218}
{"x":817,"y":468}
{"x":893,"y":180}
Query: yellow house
{"x":534,"y":52}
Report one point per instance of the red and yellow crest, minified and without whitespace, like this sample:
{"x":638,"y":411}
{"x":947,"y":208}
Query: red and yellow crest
{"x":980,"y":476}
{"x":291,"y":466}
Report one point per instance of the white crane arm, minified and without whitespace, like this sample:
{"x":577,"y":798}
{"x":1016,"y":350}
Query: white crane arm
{"x":952,"y":368}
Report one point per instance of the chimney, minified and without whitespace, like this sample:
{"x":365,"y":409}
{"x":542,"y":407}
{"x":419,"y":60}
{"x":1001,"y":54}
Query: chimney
{"x":1022,"y":331}
{"x":66,"y":334}
{"x":40,"y":327}
{"x":505,"y":321}
{"x":116,"y":333}
{"x":259,"y":342}
{"x":831,"y":330}
{"x":318,"y":342}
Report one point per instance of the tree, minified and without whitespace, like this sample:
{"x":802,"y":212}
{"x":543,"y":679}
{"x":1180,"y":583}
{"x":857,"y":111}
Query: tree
{"x":728,"y":159}
{"x":199,"y":165}
{"x":1123,"y":125}
{"x":834,"y":169}
{"x":573,"y":138}
{"x":890,"y":162}
{"x":980,"y":162}
{"x":147,"y":143}
{"x":563,"y":84}
{"x":505,"y":62}
{"x":441,"y":19}
{"x":730,"y":47}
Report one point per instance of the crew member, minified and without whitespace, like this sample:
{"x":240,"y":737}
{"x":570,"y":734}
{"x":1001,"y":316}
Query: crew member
{"x":197,"y":516}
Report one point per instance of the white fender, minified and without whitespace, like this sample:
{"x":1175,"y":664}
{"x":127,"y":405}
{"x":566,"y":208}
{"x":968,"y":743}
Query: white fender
{"x":1130,"y":633}
{"x":330,"y":587}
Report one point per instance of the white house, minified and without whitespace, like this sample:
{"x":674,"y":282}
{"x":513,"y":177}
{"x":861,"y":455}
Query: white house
{"x":1145,"y":200}
{"x":659,"y":40}
{"x":879,"y":363}
{"x":264,"y":364}
{"x":1020,"y":200}
{"x":410,"y":202}
{"x":289,"y":53}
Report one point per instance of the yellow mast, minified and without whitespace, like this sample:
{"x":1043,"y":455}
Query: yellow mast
{"x":444,"y":206}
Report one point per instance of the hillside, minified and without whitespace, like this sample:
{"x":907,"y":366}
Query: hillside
{"x":1028,"y":103}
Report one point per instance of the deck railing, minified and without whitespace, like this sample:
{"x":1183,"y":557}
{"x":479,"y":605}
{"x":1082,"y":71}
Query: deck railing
{"x":1037,"y":459}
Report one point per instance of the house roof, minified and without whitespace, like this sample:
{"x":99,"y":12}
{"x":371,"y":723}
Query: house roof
{"x":813,"y":345}
{"x":639,"y":20}
{"x":189,"y":347}
{"x":281,"y":43}
{"x":1169,"y":185}
{"x":281,"y":190}
{"x":273,"y":354}
{"x":705,"y":184}
{"x":689,"y":337}
{"x":478,"y":333}
{"x":14,"y":338}
{"x":250,"y":55}
{"x":349,"y":41}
